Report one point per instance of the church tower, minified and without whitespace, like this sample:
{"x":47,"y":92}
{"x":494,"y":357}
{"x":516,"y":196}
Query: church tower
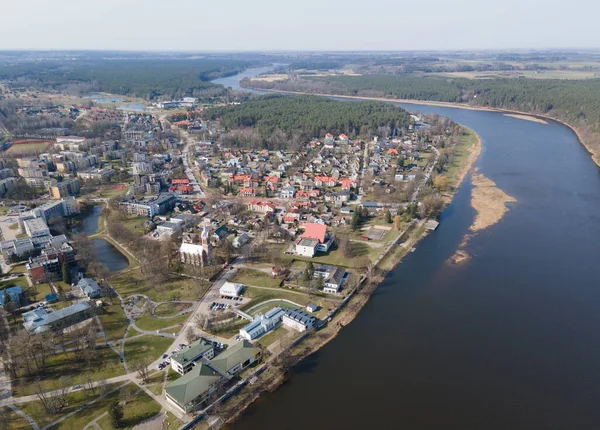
{"x":206,"y":246}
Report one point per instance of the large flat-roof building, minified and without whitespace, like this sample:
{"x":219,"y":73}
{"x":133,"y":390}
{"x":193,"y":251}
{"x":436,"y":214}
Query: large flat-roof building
{"x":62,"y":318}
{"x":298,"y":320}
{"x":262,"y":324}
{"x":188,"y":392}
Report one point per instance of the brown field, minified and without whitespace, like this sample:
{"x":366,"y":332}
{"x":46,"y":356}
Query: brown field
{"x":28,"y":146}
{"x":271,"y":78}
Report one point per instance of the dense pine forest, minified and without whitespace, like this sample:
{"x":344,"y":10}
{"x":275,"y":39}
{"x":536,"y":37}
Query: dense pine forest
{"x":576,"y":102}
{"x":146,"y":78}
{"x":313,"y":116}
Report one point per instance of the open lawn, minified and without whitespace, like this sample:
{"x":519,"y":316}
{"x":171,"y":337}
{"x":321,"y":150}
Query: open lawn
{"x":109,"y":191}
{"x":138,"y":409}
{"x":150,"y":347}
{"x":132,"y":223}
{"x":335,"y":257}
{"x":259,"y":295}
{"x":12,"y":420}
{"x":151,"y":323}
{"x":267,"y":306}
{"x":170,"y":309}
{"x":114,"y":322}
{"x":462,"y":150}
{"x":272,"y":336}
{"x":18,"y":268}
{"x":172,"y":422}
{"x":41,"y":291}
{"x":20,"y":282}
{"x":256,"y":278}
{"x":74,"y":401}
{"x":106,"y":364}
{"x":176,"y":288}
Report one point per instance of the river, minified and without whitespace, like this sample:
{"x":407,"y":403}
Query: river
{"x":507,"y":340}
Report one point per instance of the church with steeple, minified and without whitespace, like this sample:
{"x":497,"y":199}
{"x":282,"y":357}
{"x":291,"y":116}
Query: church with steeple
{"x":196,"y":251}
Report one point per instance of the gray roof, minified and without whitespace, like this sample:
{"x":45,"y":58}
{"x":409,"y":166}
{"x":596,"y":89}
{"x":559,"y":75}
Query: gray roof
{"x":57,"y":316}
{"x":89,"y":286}
{"x":300,"y":316}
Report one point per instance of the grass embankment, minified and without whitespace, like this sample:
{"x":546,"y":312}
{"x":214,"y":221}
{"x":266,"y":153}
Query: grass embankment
{"x":147,"y":346}
{"x":256,"y":278}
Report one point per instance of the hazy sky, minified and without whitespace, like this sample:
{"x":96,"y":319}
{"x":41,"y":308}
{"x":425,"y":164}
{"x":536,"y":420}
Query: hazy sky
{"x":203,"y":25}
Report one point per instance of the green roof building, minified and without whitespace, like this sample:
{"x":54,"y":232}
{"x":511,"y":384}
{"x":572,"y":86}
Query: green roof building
{"x":192,"y":388}
{"x":236,"y":358}
{"x":184,"y":361}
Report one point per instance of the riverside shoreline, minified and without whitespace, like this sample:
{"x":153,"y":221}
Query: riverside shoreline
{"x":275,"y":375}
{"x":594,"y":155}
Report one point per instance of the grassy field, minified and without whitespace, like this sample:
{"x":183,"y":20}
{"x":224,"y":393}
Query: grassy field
{"x":177,"y":288}
{"x":172,"y":422}
{"x":170,"y":309}
{"x":336,"y":258}
{"x":264,"y":308}
{"x":13,"y":421}
{"x":107,"y":364}
{"x":272,"y":336}
{"x":132,"y":223}
{"x":113,"y":321}
{"x":147,"y":346}
{"x":464,"y":147}
{"x":138,"y":409}
{"x":259,"y":295}
{"x":27,"y":148}
{"x":20,"y":282}
{"x":256,"y":278}
{"x":151,"y":323}
{"x":41,"y":290}
{"x":18,"y":268}
{"x":74,"y":400}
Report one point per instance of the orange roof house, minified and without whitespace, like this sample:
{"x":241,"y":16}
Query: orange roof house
{"x":315,"y":231}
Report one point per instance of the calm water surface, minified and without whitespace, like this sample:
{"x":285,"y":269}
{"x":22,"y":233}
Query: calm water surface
{"x":508,"y":340}
{"x":106,"y":253}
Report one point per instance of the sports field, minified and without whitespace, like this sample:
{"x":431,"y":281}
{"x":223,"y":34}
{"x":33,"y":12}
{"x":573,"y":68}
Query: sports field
{"x":28,"y":146}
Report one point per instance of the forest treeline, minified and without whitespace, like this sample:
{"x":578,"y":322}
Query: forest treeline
{"x":138,"y":78}
{"x":576,"y":102}
{"x":309,"y":115}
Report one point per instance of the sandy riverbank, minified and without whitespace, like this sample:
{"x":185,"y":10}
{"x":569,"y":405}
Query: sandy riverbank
{"x":527,"y":118}
{"x":594,"y":154}
{"x":490,"y":204}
